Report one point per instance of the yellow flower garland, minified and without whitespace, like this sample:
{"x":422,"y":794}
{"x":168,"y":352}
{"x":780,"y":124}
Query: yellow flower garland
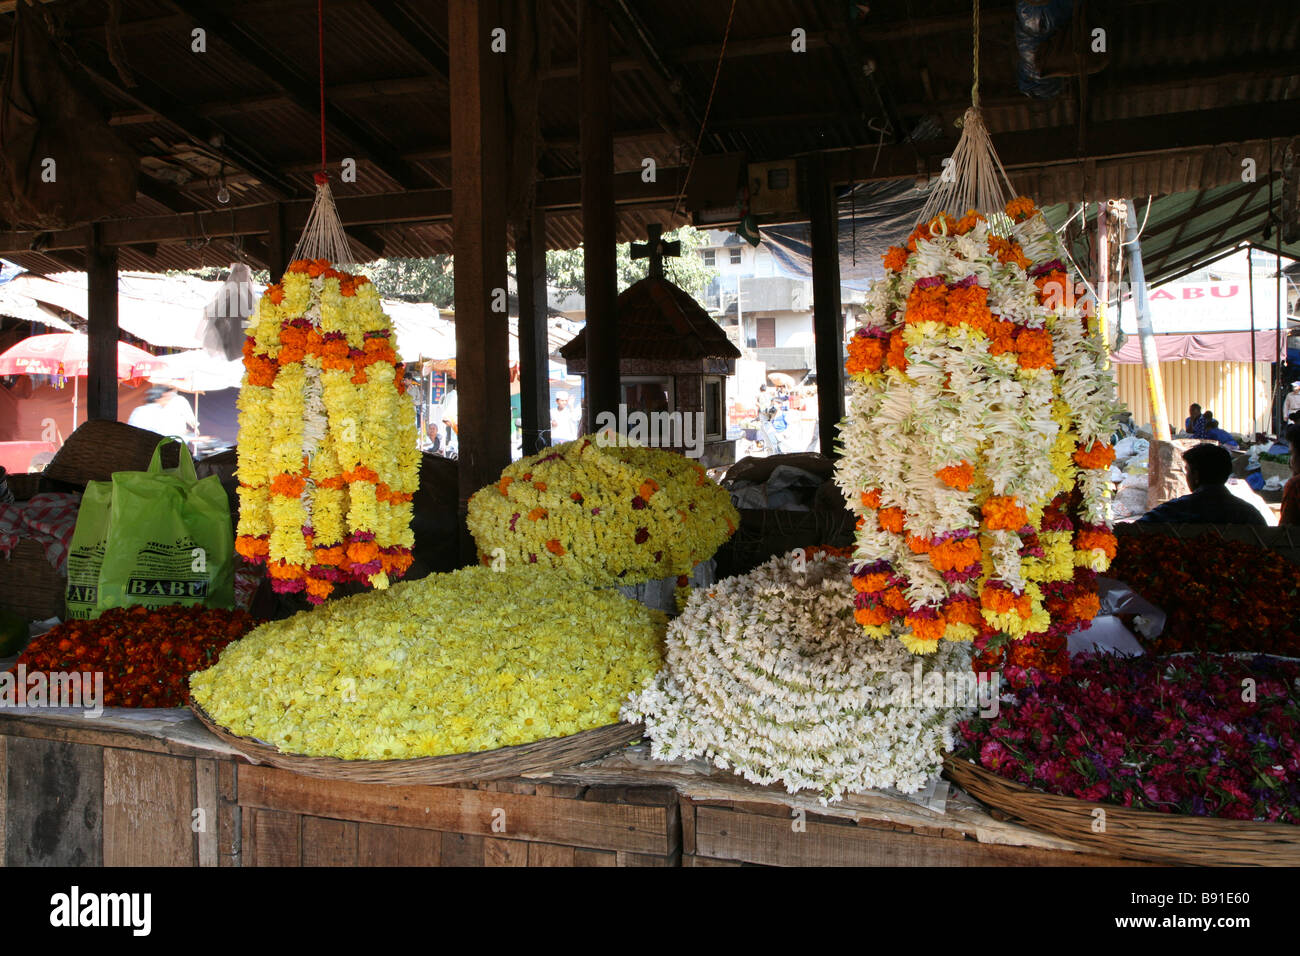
{"x":328,"y":460}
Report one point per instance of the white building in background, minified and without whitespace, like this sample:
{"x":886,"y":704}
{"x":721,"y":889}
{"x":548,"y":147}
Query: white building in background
{"x":765,"y":311}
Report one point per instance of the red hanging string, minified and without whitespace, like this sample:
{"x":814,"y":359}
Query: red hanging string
{"x":322,"y":176}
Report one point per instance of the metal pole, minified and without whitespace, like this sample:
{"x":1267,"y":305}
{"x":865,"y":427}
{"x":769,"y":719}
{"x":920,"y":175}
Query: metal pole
{"x":1250,"y":286}
{"x":1146,"y":334}
{"x":1103,"y":275}
{"x":1281,"y":340}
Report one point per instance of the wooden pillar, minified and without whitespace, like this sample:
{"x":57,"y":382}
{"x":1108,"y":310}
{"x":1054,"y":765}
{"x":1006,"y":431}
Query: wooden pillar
{"x":828,"y":321}
{"x":478,"y":174}
{"x":277,"y":244}
{"x":101,"y":323}
{"x":598,"y":213}
{"x":534,"y":347}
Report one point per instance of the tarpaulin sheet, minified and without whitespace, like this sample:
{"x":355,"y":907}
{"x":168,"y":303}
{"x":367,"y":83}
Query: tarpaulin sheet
{"x":881,"y":215}
{"x":1207,"y":347}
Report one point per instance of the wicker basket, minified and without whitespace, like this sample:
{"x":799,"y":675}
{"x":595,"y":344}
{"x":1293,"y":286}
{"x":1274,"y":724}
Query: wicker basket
{"x":554,"y":753}
{"x":100,"y":447}
{"x":29,"y":585}
{"x":1133,"y":834}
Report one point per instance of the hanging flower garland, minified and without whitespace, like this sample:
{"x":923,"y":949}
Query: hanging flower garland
{"x":328,"y":461}
{"x":975,"y":448}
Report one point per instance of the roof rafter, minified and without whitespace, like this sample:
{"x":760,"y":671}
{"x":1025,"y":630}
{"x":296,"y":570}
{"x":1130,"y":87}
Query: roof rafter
{"x":301,"y":90}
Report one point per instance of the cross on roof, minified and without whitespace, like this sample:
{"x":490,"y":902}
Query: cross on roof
{"x":655,"y":249}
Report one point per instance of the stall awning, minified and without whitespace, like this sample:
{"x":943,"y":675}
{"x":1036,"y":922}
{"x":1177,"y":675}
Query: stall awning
{"x":1202,"y":347}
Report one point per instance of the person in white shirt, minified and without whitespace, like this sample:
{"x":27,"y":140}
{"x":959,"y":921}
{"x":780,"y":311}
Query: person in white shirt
{"x":564,"y":420}
{"x":1291,"y":405}
{"x":165,"y":413}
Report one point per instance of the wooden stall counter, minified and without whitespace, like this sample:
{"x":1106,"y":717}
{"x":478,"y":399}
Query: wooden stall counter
{"x":140,"y":788}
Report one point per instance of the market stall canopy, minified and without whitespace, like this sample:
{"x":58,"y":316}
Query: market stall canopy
{"x":64,"y":353}
{"x":24,"y":307}
{"x":197,"y":371}
{"x":1203,"y":347}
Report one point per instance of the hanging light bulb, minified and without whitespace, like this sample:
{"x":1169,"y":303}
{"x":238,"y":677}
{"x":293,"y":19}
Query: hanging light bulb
{"x":223,"y":194}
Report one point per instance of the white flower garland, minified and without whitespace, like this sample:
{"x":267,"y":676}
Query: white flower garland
{"x":769,"y":675}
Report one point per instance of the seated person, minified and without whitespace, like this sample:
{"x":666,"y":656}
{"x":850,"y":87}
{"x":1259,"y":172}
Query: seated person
{"x":1291,"y":492}
{"x":1214,"y":433}
{"x":1208,"y":469}
{"x":1189,"y":423}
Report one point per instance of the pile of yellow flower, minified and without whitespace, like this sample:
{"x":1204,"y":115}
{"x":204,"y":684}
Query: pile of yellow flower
{"x":452,"y":663}
{"x":607,"y":514}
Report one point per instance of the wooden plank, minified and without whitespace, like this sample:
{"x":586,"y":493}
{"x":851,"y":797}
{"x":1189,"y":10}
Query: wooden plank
{"x":733,"y":835}
{"x":274,"y":839}
{"x":690,"y":859}
{"x":229,"y":816}
{"x":397,"y":846}
{"x":102,"y":328}
{"x":54,"y":805}
{"x":686,"y":809}
{"x":547,"y":854}
{"x":148,"y":809}
{"x":209,"y":822}
{"x":606,"y":826}
{"x":498,"y":852}
{"x":479,"y":245}
{"x":462,"y":849}
{"x":599,"y":225}
{"x":595,"y":858}
{"x":328,"y":842}
{"x":186,"y":739}
{"x":647,"y":859}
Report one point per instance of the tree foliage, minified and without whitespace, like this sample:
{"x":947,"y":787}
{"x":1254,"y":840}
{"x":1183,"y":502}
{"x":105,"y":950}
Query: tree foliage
{"x":432,"y":279}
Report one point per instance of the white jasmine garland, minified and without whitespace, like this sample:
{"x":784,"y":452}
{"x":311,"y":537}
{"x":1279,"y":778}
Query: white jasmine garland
{"x":768,"y":674}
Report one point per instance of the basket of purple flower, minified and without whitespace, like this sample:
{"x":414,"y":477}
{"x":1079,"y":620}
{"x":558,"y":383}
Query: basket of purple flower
{"x":1193,"y":760}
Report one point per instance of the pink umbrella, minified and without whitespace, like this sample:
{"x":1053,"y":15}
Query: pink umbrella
{"x":64,"y":353}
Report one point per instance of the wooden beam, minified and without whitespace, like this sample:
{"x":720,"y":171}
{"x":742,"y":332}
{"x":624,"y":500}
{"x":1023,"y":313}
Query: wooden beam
{"x":534,"y":344}
{"x":102,"y":328}
{"x":1233,"y":127}
{"x":413,"y":206}
{"x":664,"y":77}
{"x":147,"y":96}
{"x":828,"y":319}
{"x":303,"y":91}
{"x":599,"y":226}
{"x":479,"y":245}
{"x":415,"y":34}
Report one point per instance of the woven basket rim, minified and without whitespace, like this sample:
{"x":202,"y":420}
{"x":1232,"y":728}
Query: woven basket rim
{"x":551,"y":753}
{"x":1131,"y":833}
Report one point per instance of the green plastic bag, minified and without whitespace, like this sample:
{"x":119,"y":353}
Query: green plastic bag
{"x":86,"y":552}
{"x":170,"y":539}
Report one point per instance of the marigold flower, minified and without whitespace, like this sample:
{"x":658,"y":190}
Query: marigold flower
{"x":871,"y":499}
{"x":1096,"y":455}
{"x":891,"y":519}
{"x":1003,"y":513}
{"x":956,"y":555}
{"x":959,"y":476}
{"x":1020,"y":209}
{"x":927,"y":304}
{"x":895,"y":259}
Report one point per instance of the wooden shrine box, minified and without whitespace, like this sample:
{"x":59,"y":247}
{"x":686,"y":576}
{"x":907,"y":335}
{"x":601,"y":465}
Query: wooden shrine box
{"x":673,"y":358}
